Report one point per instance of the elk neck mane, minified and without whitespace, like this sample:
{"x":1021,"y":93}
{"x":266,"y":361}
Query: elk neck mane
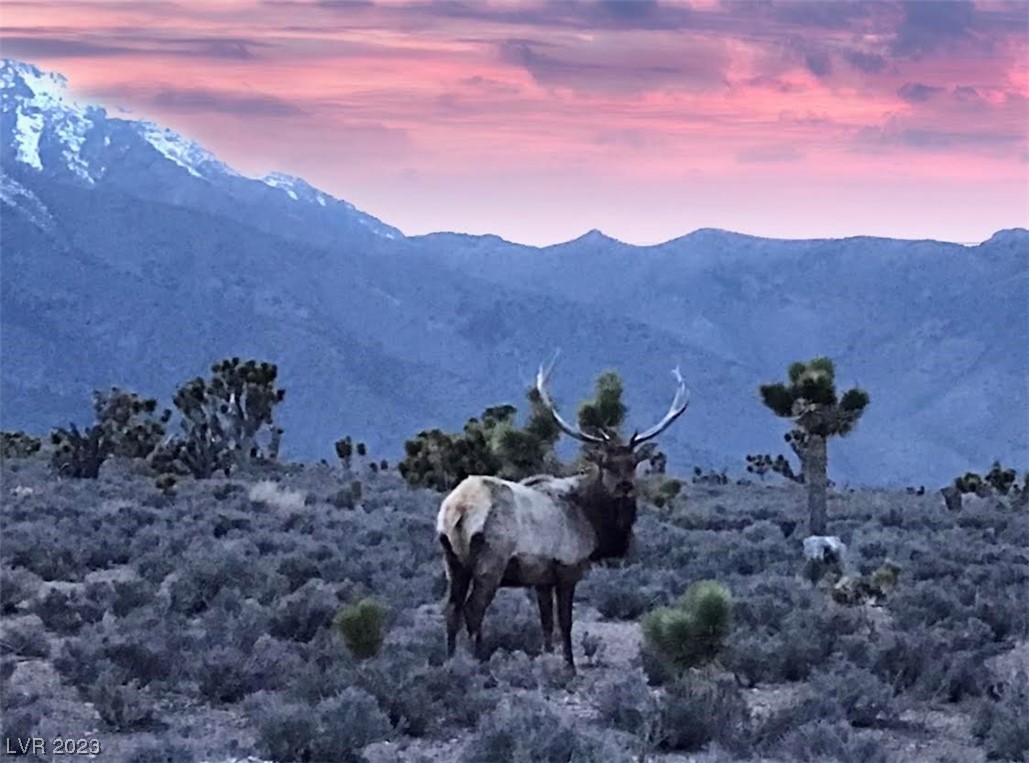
{"x":611,"y":517}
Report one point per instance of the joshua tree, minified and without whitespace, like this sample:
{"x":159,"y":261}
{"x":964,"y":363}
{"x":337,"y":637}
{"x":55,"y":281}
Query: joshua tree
{"x":811,"y":402}
{"x":223,"y":418}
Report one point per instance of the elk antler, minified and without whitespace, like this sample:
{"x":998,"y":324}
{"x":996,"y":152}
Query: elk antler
{"x":541,"y":386}
{"x":679,"y":404}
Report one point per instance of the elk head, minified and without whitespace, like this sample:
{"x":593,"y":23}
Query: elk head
{"x":616,"y":461}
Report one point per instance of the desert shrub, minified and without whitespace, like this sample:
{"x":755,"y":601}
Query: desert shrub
{"x":362,"y":627}
{"x":25,"y":639}
{"x":863,"y":697}
{"x":348,"y":498}
{"x":1002,"y":724}
{"x":827,"y":740}
{"x":65,"y":612}
{"x":206,"y":573}
{"x":336,"y":729}
{"x":17,"y":586}
{"x":286,"y":731}
{"x":694,"y":631}
{"x":227,"y":673}
{"x":512,"y":624}
{"x":513,"y":669}
{"x":79,"y":662}
{"x":523,"y":728}
{"x":129,"y":595}
{"x":302,"y":614}
{"x":155,"y":749}
{"x":298,"y":569}
{"x":21,"y":716}
{"x":700,"y":708}
{"x":139,"y":660}
{"x":619,"y":593}
{"x":122,"y":707}
{"x":626,"y":703}
{"x":422,"y":699}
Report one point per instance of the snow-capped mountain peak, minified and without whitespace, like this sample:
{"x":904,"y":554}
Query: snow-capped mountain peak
{"x":45,"y":131}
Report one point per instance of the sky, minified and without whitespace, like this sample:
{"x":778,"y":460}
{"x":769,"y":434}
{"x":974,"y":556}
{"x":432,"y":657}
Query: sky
{"x":540,"y":121}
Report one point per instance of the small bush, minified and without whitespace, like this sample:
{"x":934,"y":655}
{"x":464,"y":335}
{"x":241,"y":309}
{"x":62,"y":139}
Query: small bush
{"x":865,"y":699}
{"x":694,"y":631}
{"x":25,"y":639}
{"x":1003,"y":725}
{"x":123,"y":707}
{"x":302,"y":614}
{"x":698,"y":709}
{"x":335,"y":729}
{"x":361,"y":626}
{"x":157,"y":750}
{"x":65,"y":612}
{"x":17,"y":586}
{"x":824,"y":740}
{"x":525,"y":729}
{"x":627,"y":704}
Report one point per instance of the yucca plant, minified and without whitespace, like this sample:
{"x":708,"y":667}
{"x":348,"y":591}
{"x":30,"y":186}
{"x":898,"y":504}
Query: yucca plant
{"x":810,"y":400}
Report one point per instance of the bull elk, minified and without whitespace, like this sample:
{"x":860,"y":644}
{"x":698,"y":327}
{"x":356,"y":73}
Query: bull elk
{"x":544,"y":531}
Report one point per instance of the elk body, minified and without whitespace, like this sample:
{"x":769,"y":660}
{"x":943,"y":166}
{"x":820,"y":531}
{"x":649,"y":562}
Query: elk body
{"x":542,"y":532}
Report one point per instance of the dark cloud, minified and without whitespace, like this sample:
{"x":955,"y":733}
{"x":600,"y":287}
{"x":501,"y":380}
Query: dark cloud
{"x":916,"y":92}
{"x":967,"y":93}
{"x":587,"y":67}
{"x":930,"y":24}
{"x":818,"y":62}
{"x":841,"y":14}
{"x":863,"y":61}
{"x":195,"y":100}
{"x":574,"y":14}
{"x":930,"y":139}
{"x":57,"y":46}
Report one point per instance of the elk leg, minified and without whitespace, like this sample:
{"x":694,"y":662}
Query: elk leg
{"x":545,"y":599}
{"x":484,"y":588}
{"x":460,"y":580}
{"x":565,"y":596}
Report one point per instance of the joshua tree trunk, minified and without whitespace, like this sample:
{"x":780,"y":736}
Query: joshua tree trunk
{"x":815,"y":475}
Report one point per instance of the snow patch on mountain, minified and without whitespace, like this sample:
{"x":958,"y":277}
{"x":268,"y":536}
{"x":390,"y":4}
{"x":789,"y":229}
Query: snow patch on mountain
{"x":13,"y":194}
{"x":191,"y":156}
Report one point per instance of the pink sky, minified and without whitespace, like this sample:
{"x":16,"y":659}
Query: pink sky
{"x":538,"y":121}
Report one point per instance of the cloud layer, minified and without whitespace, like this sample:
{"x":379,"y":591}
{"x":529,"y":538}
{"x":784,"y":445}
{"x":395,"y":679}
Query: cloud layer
{"x":539,"y":120}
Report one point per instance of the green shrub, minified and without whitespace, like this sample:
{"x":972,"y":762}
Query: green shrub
{"x":694,"y":631}
{"x":361,"y":626}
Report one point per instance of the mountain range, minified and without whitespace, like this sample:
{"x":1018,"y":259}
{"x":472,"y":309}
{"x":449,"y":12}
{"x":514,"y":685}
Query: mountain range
{"x":131,"y":256}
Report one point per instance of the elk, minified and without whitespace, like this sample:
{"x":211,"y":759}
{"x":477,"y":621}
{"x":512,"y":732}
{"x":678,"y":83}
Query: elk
{"x":542,"y":532}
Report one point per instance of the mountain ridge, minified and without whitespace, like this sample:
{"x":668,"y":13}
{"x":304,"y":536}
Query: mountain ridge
{"x":148,"y":274}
